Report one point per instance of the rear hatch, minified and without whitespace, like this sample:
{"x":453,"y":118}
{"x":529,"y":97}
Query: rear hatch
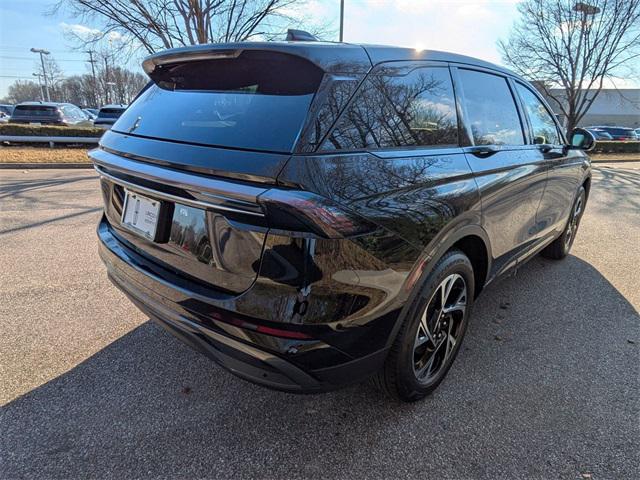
{"x":108,"y":116}
{"x":205,"y":140}
{"x":36,"y":114}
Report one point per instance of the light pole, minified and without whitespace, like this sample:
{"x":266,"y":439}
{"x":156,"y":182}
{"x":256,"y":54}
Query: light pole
{"x":586,"y":9}
{"x":43,"y":52}
{"x":341,"y":19}
{"x":111,"y":94}
{"x":39,"y":83}
{"x":95,"y":81}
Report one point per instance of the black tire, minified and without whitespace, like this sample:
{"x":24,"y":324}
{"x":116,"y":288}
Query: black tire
{"x":560,"y":247}
{"x":399,"y":377}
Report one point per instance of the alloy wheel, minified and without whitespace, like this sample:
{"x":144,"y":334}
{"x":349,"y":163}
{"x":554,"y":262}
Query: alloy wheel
{"x":572,"y":227}
{"x":440,"y":328}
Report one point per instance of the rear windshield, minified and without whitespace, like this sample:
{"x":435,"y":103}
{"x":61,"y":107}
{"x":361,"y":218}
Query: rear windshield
{"x":35,"y":110}
{"x":616,"y":131}
{"x":110,"y":112}
{"x":257,"y":101}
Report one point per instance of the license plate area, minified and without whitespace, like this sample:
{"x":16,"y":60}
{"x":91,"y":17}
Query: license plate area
{"x":141,"y":214}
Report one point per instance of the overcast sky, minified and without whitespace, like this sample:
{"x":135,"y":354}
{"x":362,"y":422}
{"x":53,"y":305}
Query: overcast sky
{"x":470,"y":27}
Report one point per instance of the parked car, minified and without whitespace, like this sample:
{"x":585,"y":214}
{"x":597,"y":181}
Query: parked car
{"x":89,"y":113}
{"x":92,"y":111}
{"x":6,"y":109}
{"x":4,"y":118}
{"x":311,"y":214}
{"x":49,"y":113}
{"x":600,"y":134}
{"x":108,"y":115}
{"x":617,"y":133}
{"x":637,"y":132}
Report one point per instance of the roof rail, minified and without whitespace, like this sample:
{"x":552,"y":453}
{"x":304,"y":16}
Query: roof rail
{"x":300,"y":36}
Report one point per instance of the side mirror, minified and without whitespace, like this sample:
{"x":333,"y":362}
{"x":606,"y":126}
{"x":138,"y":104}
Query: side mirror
{"x":581,"y":139}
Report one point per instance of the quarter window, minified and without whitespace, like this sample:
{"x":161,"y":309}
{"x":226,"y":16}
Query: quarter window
{"x":542,"y":124}
{"x":399,"y":111}
{"x":491,"y":110}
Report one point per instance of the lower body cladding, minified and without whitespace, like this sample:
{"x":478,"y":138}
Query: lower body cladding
{"x":304,"y":353}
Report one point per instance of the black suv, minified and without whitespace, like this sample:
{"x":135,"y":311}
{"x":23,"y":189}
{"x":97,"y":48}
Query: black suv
{"x":309,"y":214}
{"x":49,"y":113}
{"x":108,"y":115}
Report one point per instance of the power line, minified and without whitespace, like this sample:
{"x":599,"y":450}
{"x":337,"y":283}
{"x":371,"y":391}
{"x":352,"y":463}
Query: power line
{"x":31,"y":59}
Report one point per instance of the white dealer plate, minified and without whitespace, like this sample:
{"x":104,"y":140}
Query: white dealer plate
{"x":140,"y":214}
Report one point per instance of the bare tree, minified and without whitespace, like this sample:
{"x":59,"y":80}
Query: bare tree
{"x":81,"y":90}
{"x":575,"y":46}
{"x":153,"y":25}
{"x":52,"y":71}
{"x":22,"y":91}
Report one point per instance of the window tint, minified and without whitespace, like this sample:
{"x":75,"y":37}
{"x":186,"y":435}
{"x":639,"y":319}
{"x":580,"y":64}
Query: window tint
{"x":110,"y":112}
{"x":396,"y":111}
{"x":35,"y":110}
{"x":491,"y":111}
{"x":257,"y":101}
{"x":542,"y":124}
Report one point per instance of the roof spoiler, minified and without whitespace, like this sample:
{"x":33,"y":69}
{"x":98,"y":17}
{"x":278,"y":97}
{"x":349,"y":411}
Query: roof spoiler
{"x":299,"y":36}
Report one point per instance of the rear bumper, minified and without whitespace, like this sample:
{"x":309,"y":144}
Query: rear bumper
{"x":271,"y":362}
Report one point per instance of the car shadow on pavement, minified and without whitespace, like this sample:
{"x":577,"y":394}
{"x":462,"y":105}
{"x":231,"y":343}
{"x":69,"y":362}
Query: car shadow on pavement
{"x":22,"y":186}
{"x":547,"y":378}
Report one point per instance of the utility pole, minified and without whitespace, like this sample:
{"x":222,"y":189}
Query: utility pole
{"x":341,"y":19}
{"x":39,"y":83}
{"x":43,"y":52}
{"x":95,"y":81}
{"x":106,"y":78}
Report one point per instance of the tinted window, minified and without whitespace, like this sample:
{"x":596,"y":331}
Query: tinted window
{"x":491,"y":111}
{"x":258,"y":101}
{"x":542,"y":124}
{"x":35,"y":111}
{"x":396,"y":111}
{"x":617,"y":131}
{"x":110,"y":112}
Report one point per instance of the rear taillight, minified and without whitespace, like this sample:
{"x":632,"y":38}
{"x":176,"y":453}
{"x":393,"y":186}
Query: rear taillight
{"x":307,"y":214}
{"x":263,"y":329}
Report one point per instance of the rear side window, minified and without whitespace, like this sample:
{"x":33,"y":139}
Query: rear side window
{"x":491,"y":110}
{"x":542,"y":124}
{"x":417,"y":109}
{"x":35,"y":110}
{"x":110,"y":112}
{"x":257,"y":101}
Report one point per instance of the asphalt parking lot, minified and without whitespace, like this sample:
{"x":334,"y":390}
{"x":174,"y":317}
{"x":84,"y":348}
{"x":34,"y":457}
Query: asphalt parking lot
{"x":547,"y":384}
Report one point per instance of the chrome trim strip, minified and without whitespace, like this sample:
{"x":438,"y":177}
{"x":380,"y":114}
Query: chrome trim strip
{"x":176,"y":178}
{"x":172,"y":198}
{"x":243,"y":198}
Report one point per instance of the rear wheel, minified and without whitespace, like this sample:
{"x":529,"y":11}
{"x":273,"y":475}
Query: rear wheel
{"x":560,"y":247}
{"x":430,"y":337}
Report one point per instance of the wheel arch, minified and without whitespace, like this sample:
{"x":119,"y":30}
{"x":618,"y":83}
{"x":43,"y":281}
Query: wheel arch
{"x":471,"y":239}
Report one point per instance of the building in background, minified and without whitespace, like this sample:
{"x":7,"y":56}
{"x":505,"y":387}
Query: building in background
{"x":619,"y":107}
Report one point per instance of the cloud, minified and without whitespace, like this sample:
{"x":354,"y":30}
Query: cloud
{"x":79,"y":30}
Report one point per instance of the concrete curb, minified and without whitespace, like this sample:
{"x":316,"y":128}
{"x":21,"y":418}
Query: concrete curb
{"x":36,"y":166}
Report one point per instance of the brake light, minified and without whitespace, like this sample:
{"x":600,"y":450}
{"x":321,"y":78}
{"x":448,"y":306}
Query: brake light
{"x":274,"y":332}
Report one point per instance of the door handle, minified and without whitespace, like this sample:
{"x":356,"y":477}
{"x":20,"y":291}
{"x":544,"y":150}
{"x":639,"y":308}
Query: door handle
{"x":546,"y":148}
{"x":483,"y":151}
